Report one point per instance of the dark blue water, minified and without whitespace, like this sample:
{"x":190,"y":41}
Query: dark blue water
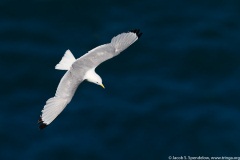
{"x":175,"y":92}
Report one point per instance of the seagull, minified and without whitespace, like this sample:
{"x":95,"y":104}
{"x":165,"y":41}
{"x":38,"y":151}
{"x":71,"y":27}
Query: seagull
{"x":82,"y":69}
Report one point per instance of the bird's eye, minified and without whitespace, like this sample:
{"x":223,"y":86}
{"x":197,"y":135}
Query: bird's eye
{"x":96,"y":82}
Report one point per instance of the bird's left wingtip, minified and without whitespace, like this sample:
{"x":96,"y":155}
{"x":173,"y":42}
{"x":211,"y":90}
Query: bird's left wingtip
{"x":137,"y":32}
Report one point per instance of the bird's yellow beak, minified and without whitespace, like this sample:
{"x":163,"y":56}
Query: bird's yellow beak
{"x":102,"y":86}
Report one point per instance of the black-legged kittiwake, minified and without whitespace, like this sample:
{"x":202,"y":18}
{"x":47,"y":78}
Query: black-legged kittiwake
{"x":82,"y":69}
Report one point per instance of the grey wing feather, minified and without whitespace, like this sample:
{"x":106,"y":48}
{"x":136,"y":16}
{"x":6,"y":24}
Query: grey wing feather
{"x":55,"y":105}
{"x":104,"y":52}
{"x":123,"y":41}
{"x":68,"y":85}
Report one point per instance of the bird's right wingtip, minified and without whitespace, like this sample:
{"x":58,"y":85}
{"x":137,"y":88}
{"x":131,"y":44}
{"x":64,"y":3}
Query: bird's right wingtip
{"x":137,"y":32}
{"x":42,"y":125}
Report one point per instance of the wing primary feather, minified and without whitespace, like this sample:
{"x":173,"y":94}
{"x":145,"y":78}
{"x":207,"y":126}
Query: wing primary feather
{"x":40,"y":120}
{"x":42,"y":125}
{"x":137,"y":32}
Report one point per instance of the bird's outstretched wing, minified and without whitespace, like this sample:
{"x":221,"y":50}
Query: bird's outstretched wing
{"x":104,"y":52}
{"x":55,"y":105}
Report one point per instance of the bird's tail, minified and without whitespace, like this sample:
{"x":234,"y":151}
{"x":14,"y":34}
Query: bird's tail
{"x":66,"y":62}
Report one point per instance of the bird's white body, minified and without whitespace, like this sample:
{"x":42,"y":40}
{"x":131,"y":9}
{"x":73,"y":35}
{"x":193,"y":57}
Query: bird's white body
{"x":92,"y":76}
{"x":82,"y":69}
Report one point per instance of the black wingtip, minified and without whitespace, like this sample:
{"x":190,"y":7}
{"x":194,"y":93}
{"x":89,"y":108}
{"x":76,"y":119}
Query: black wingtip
{"x":40,"y":120}
{"x":137,"y":32}
{"x":42,"y":125}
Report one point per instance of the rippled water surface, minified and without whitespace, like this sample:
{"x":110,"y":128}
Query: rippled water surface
{"x":175,"y":92}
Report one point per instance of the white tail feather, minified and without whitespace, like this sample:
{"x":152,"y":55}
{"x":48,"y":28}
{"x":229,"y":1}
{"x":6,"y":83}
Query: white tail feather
{"x":66,"y":62}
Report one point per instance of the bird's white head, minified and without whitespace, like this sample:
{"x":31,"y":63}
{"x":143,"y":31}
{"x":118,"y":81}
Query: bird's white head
{"x":93,"y":77}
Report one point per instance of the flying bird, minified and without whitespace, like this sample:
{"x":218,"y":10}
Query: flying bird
{"x":82,"y":69}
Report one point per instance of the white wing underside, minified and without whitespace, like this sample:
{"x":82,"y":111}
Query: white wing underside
{"x":104,"y":52}
{"x":55,"y":105}
{"x":76,"y":71}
